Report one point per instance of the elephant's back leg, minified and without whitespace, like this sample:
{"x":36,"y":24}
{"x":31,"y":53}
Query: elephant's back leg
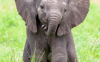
{"x":26,"y":53}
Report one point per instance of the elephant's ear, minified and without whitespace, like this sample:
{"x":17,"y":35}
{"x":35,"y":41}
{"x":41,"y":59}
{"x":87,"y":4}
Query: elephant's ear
{"x":75,"y":14}
{"x":27,"y":10}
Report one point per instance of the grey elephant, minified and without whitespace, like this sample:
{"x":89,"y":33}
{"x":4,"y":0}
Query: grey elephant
{"x":49,"y":24}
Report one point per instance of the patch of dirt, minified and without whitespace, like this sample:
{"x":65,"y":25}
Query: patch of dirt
{"x":97,"y":2}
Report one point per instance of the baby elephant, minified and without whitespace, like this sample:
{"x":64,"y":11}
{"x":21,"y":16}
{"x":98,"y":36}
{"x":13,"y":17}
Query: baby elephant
{"x":49,"y":24}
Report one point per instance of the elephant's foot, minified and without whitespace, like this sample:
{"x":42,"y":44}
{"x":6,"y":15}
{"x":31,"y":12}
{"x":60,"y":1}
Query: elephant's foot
{"x":59,"y":58}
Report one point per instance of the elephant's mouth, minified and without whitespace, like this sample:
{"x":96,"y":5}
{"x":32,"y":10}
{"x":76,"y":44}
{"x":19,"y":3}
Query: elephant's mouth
{"x":44,"y":27}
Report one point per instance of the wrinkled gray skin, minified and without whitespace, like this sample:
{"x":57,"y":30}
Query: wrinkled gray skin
{"x":49,"y":24}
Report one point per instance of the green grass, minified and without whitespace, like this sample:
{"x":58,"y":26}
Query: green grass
{"x":13,"y":34}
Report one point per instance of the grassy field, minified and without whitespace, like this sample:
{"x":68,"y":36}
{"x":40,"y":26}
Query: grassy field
{"x":13,"y":34}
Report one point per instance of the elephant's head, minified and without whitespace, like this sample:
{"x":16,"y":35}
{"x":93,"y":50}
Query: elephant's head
{"x":50,"y":14}
{"x":56,"y":16}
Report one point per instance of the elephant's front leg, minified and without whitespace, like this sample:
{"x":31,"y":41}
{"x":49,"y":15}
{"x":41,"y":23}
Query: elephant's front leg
{"x":59,"y":50}
{"x":39,"y":50}
{"x":37,"y":45}
{"x":40,"y":56}
{"x":27,"y":53}
{"x":31,"y":50}
{"x":72,"y":57}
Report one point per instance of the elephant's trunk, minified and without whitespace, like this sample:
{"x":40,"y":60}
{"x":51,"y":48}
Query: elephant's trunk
{"x":53,"y":20}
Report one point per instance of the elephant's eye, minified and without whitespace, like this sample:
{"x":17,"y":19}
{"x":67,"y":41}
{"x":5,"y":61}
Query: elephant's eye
{"x":65,"y":10}
{"x":42,"y":7}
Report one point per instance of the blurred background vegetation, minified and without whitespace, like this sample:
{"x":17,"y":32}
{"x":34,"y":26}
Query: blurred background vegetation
{"x":13,"y":34}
